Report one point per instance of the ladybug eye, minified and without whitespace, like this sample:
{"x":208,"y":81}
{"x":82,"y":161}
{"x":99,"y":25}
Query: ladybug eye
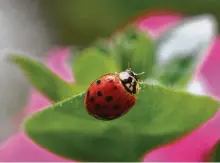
{"x":131,"y":73}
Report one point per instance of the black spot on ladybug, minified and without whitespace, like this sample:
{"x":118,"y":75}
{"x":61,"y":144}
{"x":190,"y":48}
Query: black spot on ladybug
{"x":116,"y":106}
{"x":118,"y":115}
{"x":99,"y":93}
{"x":109,"y":98}
{"x":110,"y":80}
{"x":88,"y":93}
{"x":115,"y":87}
{"x":98,"y":82}
{"x":92,"y":99}
{"x":97,"y":106}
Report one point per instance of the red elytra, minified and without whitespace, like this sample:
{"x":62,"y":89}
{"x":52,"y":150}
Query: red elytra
{"x":112,"y":95}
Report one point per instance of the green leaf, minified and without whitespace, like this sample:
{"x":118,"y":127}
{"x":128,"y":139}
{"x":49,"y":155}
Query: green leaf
{"x":92,"y":63}
{"x":80,"y":22}
{"x":143,"y":58}
{"x":214,"y":154}
{"x":160,"y":115}
{"x":134,"y":48}
{"x":124,"y":44}
{"x":176,"y":62}
{"x":176,"y":72}
{"x":45,"y":80}
{"x":104,"y":46}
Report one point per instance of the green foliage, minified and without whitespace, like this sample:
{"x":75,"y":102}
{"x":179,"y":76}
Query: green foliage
{"x":92,"y":63}
{"x":80,"y":22}
{"x":45,"y":80}
{"x":161,"y":115}
{"x":89,"y":65}
{"x":214,"y":155}
{"x":129,"y":48}
{"x":134,"y":48}
{"x":177,"y":72}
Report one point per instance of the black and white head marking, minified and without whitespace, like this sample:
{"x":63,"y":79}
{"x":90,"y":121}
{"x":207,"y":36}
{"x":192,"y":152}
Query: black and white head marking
{"x":130,"y":81}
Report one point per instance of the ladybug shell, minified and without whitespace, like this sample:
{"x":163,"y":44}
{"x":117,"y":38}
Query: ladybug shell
{"x":107,"y":98}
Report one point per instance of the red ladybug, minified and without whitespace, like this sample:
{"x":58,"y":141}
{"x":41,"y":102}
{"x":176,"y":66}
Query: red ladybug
{"x":112,"y":95}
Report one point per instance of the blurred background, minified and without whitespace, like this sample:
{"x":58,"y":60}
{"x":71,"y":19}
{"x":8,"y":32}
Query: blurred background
{"x":22,"y":30}
{"x":35,"y":27}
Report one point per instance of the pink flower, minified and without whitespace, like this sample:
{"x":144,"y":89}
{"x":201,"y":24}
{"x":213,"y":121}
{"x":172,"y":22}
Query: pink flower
{"x":19,"y":148}
{"x":197,"y":145}
{"x":193,"y":147}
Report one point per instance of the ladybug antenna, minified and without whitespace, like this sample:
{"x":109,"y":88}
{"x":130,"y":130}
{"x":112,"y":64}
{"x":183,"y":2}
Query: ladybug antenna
{"x":129,"y":68}
{"x":140,"y":73}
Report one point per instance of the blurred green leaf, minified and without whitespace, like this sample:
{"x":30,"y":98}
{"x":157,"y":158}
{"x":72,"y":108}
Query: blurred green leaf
{"x":143,"y":58}
{"x":214,"y":154}
{"x":80,"y":22}
{"x":92,"y":63}
{"x":124,"y":44}
{"x":104,"y":46}
{"x":45,"y":80}
{"x":135,"y":49}
{"x":160,"y":115}
{"x":180,"y":49}
{"x":177,"y":72}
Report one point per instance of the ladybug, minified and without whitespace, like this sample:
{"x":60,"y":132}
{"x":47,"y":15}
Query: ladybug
{"x":112,"y":95}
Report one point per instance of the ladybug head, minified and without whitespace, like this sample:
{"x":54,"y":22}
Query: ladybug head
{"x":131,"y":73}
{"x":134,"y":74}
{"x":129,"y":80}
